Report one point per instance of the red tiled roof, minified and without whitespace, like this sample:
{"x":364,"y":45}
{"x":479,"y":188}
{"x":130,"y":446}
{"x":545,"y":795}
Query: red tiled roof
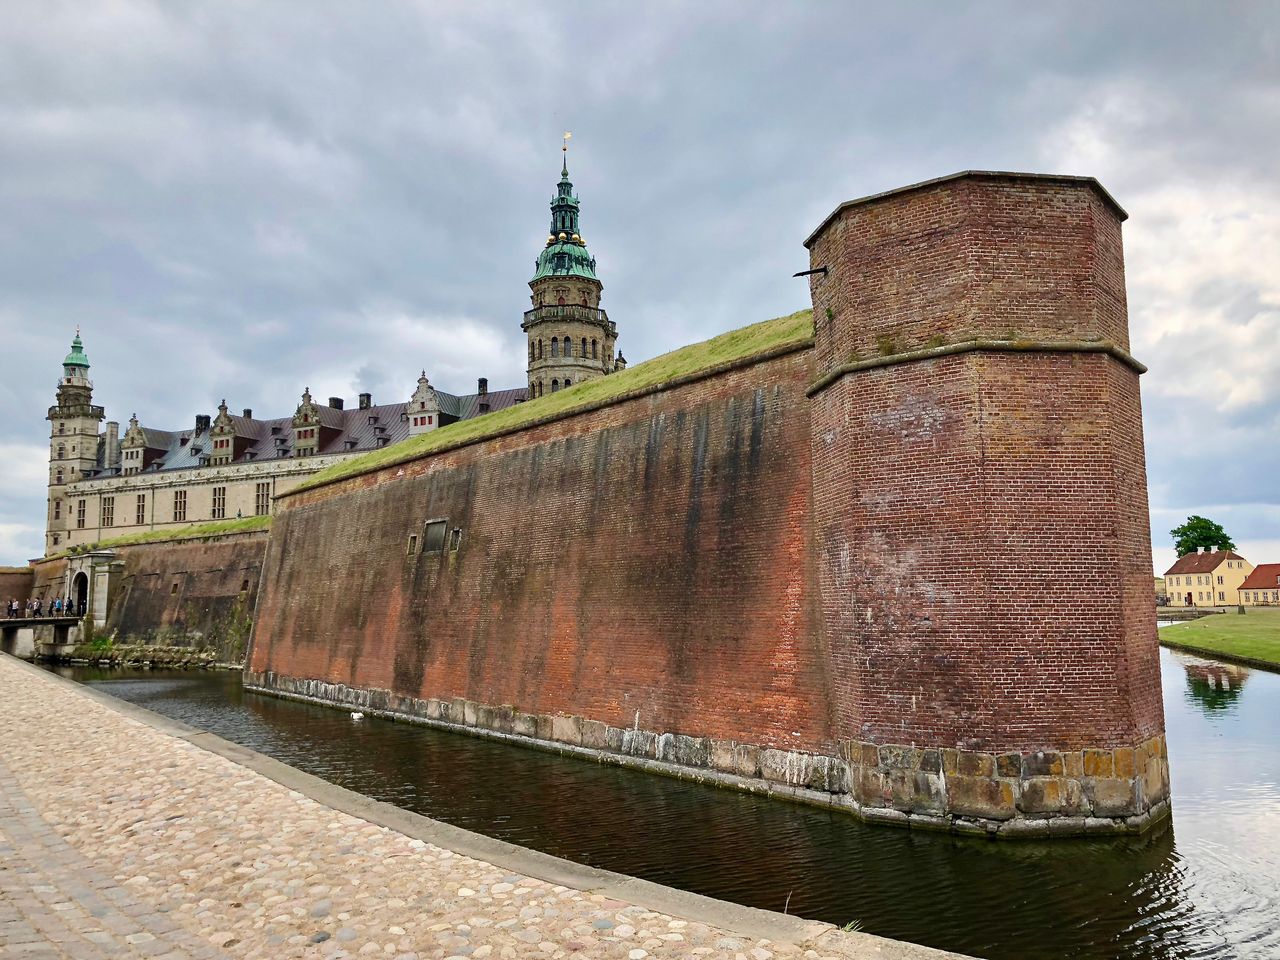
{"x":1202,"y":562}
{"x":1265,"y":576}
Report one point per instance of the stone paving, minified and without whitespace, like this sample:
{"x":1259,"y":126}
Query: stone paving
{"x":118,"y":839}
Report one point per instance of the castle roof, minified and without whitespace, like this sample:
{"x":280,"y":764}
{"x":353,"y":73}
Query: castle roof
{"x":347,"y":431}
{"x":76,"y":358}
{"x":1202,"y":562}
{"x":566,"y":252}
{"x":1265,"y":576}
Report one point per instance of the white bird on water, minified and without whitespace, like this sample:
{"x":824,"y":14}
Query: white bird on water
{"x":357,"y":716}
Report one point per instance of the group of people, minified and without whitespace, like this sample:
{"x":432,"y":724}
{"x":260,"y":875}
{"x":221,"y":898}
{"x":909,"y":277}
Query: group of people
{"x":58,"y":607}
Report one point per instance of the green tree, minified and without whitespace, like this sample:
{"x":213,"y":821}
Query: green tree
{"x":1200,"y":532}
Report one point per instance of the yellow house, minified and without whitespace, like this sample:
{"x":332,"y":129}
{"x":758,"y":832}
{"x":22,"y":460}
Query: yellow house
{"x":1206,"y":578}
{"x":1262,"y":587}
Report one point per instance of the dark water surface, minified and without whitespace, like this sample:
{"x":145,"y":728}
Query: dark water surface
{"x":1208,"y":885}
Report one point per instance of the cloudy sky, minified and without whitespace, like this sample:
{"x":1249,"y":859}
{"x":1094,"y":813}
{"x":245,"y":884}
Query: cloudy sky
{"x":242,"y":199}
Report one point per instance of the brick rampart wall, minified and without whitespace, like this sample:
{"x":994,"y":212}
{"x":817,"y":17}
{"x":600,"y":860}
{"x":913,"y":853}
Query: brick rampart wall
{"x":192,"y":593}
{"x":16,"y":585}
{"x":647,"y":564}
{"x":838,"y":572}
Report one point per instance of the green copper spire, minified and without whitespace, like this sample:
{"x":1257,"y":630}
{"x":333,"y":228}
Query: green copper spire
{"x":76,"y":357}
{"x":566,"y":252}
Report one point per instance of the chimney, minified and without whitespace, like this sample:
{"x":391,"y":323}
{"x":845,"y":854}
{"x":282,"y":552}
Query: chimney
{"x":482,"y":387}
{"x":335,"y":402}
{"x":1213,"y":549}
{"x":248,"y":413}
{"x":1199,"y":550}
{"x":366,"y":401}
{"x":202,"y":422}
{"x":111,"y":456}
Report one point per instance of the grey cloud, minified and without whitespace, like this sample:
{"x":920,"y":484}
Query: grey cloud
{"x":242,"y":199}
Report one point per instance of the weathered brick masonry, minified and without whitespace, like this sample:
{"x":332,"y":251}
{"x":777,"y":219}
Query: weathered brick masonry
{"x":187,"y":593}
{"x":836,"y":573}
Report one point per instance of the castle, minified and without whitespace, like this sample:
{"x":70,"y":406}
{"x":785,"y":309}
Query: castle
{"x":102,"y":484}
{"x":849,"y":557}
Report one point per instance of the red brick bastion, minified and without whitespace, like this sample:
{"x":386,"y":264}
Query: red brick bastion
{"x":834,"y":570}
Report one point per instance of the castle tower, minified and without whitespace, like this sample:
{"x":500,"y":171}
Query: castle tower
{"x":73,"y":441}
{"x":977,"y":434}
{"x":570,"y":338}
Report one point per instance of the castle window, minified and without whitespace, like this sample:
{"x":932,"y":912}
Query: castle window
{"x":262,"y":499}
{"x":57,"y":509}
{"x":560,"y":301}
{"x":58,"y":476}
{"x":568,"y":347}
{"x":62,"y":451}
{"x":584,"y":347}
{"x":531,"y":351}
{"x":413,"y":545}
{"x":433,"y":536}
{"x":62,"y":427}
{"x":173,"y":588}
{"x":455,"y":539}
{"x":140,"y":511}
{"x":595,"y":352}
{"x":555,"y":346}
{"x":539,"y":349}
{"x":108,"y":511}
{"x":80,"y":514}
{"x":568,"y":382}
{"x":555,"y":385}
{"x":179,"y":506}
{"x":219,"y":503}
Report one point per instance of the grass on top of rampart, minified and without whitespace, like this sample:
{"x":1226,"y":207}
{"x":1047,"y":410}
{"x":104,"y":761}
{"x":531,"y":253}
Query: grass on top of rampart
{"x":196,"y":531}
{"x":1254,"y":636}
{"x":734,"y":346}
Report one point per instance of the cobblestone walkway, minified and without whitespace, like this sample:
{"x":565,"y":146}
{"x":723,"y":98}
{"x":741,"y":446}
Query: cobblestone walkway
{"x":120,"y":840}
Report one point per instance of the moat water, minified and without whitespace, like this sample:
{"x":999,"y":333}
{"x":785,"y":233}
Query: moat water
{"x":1205,"y":885}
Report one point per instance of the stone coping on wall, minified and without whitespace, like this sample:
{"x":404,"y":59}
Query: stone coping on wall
{"x":975,"y":346}
{"x":1008,"y":795}
{"x":1010,"y":175}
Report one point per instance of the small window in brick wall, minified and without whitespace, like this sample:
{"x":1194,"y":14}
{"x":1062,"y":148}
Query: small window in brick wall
{"x":433,"y":540}
{"x":455,"y":539}
{"x":413,"y":545}
{"x":173,"y":589}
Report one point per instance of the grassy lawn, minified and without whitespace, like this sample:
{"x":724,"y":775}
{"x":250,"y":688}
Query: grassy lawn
{"x":1256,"y":635}
{"x":196,"y":531}
{"x":740,"y":344}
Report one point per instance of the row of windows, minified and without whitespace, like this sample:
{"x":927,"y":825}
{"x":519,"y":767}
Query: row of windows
{"x":1262,"y":596}
{"x":423,"y":421}
{"x":536,"y":388}
{"x":1200,"y":581}
{"x":564,"y":347}
{"x":261,"y":506}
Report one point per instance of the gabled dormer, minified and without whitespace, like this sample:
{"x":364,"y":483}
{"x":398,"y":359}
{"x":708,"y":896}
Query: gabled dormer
{"x":137,"y":450}
{"x":225,"y":445}
{"x":424,"y":408}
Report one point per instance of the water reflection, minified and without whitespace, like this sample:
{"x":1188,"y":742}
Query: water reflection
{"x":1206,"y":885}
{"x":1214,"y":685}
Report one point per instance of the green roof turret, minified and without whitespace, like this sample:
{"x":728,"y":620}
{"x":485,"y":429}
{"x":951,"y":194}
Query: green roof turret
{"x":565,"y":254}
{"x":76,"y":357}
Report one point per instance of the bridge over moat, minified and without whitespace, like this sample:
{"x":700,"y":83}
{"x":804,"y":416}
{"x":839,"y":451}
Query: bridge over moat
{"x":26,"y":637}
